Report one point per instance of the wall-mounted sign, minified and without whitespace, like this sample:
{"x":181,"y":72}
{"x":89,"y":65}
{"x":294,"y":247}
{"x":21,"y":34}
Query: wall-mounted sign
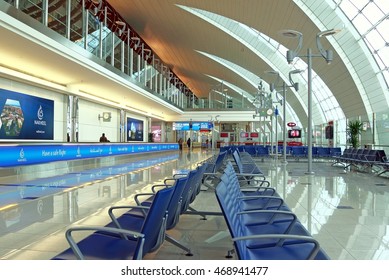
{"x":203,"y":126}
{"x":134,"y":130}
{"x":25,"y":117}
{"x":291,"y":124}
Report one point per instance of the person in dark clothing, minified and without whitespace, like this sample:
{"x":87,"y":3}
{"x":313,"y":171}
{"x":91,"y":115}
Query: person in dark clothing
{"x":188,"y":142}
{"x":103,"y":138}
{"x":180,"y":143}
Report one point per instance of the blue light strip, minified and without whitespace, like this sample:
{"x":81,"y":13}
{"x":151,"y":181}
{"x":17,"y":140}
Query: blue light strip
{"x":16,"y":155}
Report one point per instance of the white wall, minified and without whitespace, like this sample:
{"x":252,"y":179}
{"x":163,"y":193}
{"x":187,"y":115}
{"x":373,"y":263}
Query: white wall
{"x":91,"y":127}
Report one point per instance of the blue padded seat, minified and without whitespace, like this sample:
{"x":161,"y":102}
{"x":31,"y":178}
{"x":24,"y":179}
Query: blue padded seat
{"x":266,"y":234}
{"x":100,"y":246}
{"x":112,"y":242}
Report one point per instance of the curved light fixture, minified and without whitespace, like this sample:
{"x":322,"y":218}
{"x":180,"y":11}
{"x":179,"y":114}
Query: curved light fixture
{"x":328,"y":55}
{"x":291,"y":33}
{"x":291,"y":54}
{"x":329,"y":32}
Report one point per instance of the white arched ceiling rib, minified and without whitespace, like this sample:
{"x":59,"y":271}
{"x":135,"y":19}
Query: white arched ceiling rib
{"x":273,"y":54}
{"x":250,"y":77}
{"x":268,"y":48}
{"x":352,"y":48}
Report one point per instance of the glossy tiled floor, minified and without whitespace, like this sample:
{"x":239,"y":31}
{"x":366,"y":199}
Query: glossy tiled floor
{"x":346,"y":211}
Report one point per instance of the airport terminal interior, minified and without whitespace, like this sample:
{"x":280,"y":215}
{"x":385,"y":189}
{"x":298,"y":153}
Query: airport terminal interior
{"x":103,"y":102}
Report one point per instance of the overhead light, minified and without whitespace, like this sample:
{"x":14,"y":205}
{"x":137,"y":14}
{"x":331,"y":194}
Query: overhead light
{"x":272,"y":72}
{"x":328,"y":55}
{"x":329,"y":32}
{"x":293,"y":72}
{"x":290,"y":55}
{"x":291,"y":33}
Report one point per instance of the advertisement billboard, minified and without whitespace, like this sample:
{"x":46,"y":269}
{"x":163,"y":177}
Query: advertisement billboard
{"x":134,"y":129}
{"x":25,"y":117}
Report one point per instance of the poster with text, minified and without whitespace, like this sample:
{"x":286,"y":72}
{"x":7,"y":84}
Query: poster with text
{"x":134,"y":129}
{"x":25,"y":117}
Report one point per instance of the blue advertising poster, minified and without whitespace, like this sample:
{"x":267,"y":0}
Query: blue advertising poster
{"x":134,"y":130}
{"x":195,"y":126}
{"x":26,"y":117}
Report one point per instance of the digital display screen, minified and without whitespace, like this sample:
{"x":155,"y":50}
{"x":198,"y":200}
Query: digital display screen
{"x":134,"y":130}
{"x":25,"y":117}
{"x":294,"y":133}
{"x":192,"y":125}
{"x":254,"y":134}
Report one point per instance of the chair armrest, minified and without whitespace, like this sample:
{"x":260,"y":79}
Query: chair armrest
{"x":142,"y":194}
{"x":123,"y":232}
{"x":251,"y":197}
{"x":114,"y":219}
{"x":250,"y":174}
{"x":256,"y":181}
{"x":153,"y":188}
{"x":256,"y":189}
{"x":169,"y":179}
{"x":275,"y":213}
{"x":282,"y":238}
{"x":180,"y":175}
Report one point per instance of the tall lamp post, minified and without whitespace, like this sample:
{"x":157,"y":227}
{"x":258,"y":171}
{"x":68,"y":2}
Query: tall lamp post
{"x":327,"y":55}
{"x":283,"y":103}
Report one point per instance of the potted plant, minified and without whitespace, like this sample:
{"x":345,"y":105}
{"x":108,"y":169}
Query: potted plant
{"x":354,"y":129}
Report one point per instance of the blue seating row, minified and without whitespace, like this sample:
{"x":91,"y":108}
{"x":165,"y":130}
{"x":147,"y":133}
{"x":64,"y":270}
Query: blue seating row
{"x":261,"y":225}
{"x":215,"y":165}
{"x":142,"y":228}
{"x":293,"y":151}
{"x":363,"y":159}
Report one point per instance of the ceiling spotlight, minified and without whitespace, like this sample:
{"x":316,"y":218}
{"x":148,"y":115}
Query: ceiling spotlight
{"x":291,"y":33}
{"x":272,"y":72}
{"x":329,"y":32}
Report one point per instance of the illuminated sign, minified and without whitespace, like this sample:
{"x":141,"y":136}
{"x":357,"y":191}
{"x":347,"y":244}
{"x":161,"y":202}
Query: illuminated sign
{"x":25,"y":117}
{"x":195,"y":126}
{"x":33,"y":154}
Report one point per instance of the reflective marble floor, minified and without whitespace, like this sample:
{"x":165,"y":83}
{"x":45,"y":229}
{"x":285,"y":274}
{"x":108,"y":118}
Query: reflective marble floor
{"x":346,"y":211}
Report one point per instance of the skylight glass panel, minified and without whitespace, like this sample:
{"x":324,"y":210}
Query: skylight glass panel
{"x":384,"y":56}
{"x":383,"y":28}
{"x":371,"y":20}
{"x":383,"y":5}
{"x":371,"y":11}
{"x":349,"y":9}
{"x":362,"y":23}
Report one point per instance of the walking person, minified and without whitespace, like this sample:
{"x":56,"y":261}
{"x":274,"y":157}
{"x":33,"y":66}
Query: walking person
{"x":180,"y":141}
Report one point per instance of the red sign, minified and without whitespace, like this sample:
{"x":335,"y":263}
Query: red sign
{"x":291,"y":124}
{"x":223,"y":135}
{"x":254,"y":134}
